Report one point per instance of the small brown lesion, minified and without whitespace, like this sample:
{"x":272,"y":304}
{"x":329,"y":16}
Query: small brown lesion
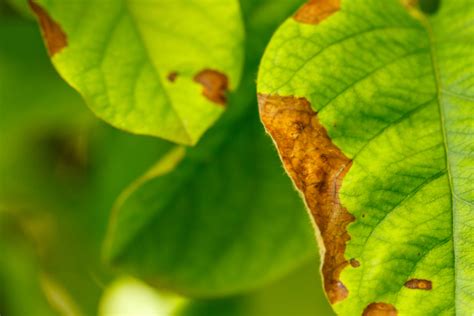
{"x":354,"y":263}
{"x":172,"y":76}
{"x":315,"y":11}
{"x":215,"y":85}
{"x":53,"y":35}
{"x":380,"y":309}
{"x":317,"y":168}
{"x":419,"y":284}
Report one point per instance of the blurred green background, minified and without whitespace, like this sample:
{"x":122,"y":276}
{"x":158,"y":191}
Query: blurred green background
{"x":61,"y":170}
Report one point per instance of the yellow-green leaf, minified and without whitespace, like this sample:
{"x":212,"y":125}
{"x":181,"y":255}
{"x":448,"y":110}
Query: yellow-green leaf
{"x":370,"y":104}
{"x":160,"y":68}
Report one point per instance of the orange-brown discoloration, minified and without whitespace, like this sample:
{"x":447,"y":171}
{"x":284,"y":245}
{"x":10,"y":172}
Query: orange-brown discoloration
{"x":317,"y":168}
{"x":314,"y":11}
{"x":53,"y":35}
{"x":419,"y":284}
{"x":380,"y":309}
{"x":215,"y":85}
{"x":172,"y":76}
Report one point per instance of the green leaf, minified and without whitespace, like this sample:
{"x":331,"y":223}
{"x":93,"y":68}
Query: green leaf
{"x":159,"y":68}
{"x":225,"y":219}
{"x":218,"y":223}
{"x":371,"y":106}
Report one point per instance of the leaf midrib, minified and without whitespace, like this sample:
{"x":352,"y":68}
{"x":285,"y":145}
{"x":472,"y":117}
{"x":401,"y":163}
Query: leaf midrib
{"x":436,"y":73}
{"x":157,"y":74}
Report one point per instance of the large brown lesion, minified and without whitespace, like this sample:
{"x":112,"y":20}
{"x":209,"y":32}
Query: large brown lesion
{"x":317,"y":168}
{"x":54,"y":36}
{"x":315,"y":11}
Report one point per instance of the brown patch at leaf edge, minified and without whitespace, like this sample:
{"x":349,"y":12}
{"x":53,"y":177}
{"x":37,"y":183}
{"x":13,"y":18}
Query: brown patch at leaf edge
{"x":419,"y":284}
{"x":315,"y":11}
{"x":380,"y":309}
{"x":317,"y":168}
{"x":53,"y":35}
{"x":215,"y":85}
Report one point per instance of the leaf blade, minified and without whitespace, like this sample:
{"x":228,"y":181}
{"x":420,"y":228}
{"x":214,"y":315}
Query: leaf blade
{"x":357,"y":69}
{"x":120,"y":55}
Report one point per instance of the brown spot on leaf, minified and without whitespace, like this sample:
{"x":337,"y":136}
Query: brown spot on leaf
{"x":172,"y":76}
{"x":53,"y":35}
{"x":215,"y":85}
{"x":315,"y":11}
{"x":354,"y":263}
{"x":380,"y":309}
{"x":419,"y":284}
{"x":317,"y":168}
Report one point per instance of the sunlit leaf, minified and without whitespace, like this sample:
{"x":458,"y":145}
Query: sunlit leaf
{"x":370,"y":104}
{"x":160,"y":68}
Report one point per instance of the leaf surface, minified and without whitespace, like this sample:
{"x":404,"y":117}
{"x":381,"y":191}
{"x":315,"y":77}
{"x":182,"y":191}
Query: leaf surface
{"x":371,"y":107}
{"x":159,"y":68}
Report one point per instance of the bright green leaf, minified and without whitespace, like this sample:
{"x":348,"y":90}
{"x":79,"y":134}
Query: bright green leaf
{"x":393,"y":88}
{"x":158,"y":68}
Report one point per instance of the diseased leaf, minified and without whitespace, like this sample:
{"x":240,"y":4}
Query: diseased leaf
{"x":370,"y":104}
{"x":225,"y":219}
{"x":153,"y":67}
